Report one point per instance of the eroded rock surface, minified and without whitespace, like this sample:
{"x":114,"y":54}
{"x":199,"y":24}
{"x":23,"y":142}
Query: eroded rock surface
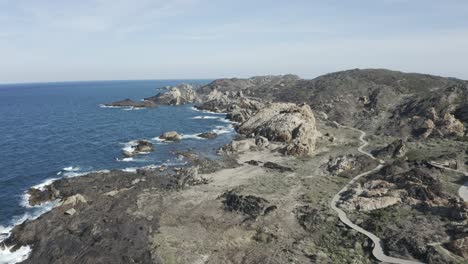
{"x":289,"y":123}
{"x":178,"y":95}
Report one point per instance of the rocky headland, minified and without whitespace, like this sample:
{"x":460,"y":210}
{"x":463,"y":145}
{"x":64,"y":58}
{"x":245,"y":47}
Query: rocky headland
{"x":368,"y":138}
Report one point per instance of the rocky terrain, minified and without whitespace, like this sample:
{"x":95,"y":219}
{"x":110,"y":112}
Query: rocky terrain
{"x":271,"y":195}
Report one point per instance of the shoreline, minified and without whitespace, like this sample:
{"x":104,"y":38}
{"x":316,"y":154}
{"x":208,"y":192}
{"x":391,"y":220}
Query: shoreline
{"x":274,"y":184}
{"x":21,"y":254}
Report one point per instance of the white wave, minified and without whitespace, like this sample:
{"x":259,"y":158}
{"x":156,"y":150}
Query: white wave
{"x":129,"y":159}
{"x":130,"y":169}
{"x":41,"y":186}
{"x":109,"y":106}
{"x":131,"y":108}
{"x":191,"y":136}
{"x":71,"y":168}
{"x":158,"y":139}
{"x":206,"y":111}
{"x":205,"y":117}
{"x":6,"y":256}
{"x":60,"y":172}
{"x":171,"y":164}
{"x":9,"y":257}
{"x":74,"y":174}
{"x":227,"y":121}
{"x":223,"y":129}
{"x":129,"y":146}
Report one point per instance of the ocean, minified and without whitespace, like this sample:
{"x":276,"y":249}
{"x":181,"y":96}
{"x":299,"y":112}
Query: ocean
{"x":53,"y":130}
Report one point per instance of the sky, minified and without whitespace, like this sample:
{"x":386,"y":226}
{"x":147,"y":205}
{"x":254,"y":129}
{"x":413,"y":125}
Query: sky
{"x":59,"y":40}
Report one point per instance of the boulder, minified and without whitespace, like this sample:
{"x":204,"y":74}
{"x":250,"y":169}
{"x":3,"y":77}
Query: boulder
{"x":208,"y":135}
{"x":70,"y":212}
{"x":284,"y":122}
{"x":74,"y":200}
{"x":171,"y":136}
{"x":138,"y":147}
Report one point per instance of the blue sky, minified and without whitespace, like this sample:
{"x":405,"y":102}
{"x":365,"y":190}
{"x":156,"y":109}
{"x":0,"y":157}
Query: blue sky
{"x":60,"y":40}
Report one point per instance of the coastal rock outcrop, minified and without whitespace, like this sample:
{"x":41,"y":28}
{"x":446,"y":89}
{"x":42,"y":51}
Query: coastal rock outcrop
{"x":208,"y":135}
{"x":238,"y":107}
{"x":171,"y":136}
{"x":178,"y":95}
{"x":138,"y":147}
{"x":131,"y":103}
{"x":284,"y":122}
{"x":39,"y":196}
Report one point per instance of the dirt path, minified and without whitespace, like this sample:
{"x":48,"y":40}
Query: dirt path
{"x":463,"y":191}
{"x":378,"y":250}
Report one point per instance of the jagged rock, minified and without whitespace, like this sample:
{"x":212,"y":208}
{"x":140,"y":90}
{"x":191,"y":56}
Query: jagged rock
{"x":238,"y":114}
{"x":237,"y":107}
{"x":450,"y":126}
{"x":131,"y":103}
{"x":459,"y":247}
{"x":369,"y":204}
{"x":250,"y":205}
{"x":253,"y":162}
{"x":37,"y":196}
{"x":181,"y":94}
{"x":140,"y":146}
{"x":208,"y":135}
{"x":171,"y":136}
{"x":340,"y":164}
{"x":190,"y":176}
{"x":276,"y":166}
{"x":422,"y":127}
{"x":238,"y":146}
{"x":261,"y":142}
{"x":396,"y":149}
{"x":284,"y":122}
{"x":70,"y":211}
{"x":74,"y":200}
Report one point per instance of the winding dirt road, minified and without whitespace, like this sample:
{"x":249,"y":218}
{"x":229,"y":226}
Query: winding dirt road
{"x":378,"y":250}
{"x":463,"y":191}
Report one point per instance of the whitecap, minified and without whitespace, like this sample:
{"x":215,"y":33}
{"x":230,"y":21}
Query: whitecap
{"x":109,"y":106}
{"x":223,"y":129}
{"x":205,"y":117}
{"x":129,"y":146}
{"x":71,"y":168}
{"x":206,"y":111}
{"x":130,"y":169}
{"x":191,"y":136}
{"x":129,"y":159}
{"x":171,"y":164}
{"x":6,"y":256}
{"x":9,"y":257}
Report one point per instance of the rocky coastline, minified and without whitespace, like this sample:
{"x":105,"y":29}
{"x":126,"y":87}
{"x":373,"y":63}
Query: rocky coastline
{"x":267,"y":197}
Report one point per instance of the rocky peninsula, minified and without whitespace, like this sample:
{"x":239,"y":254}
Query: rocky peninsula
{"x":360,"y":142}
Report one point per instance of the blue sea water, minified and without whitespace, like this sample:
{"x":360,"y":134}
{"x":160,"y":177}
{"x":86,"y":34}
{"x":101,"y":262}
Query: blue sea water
{"x":52,"y":130}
